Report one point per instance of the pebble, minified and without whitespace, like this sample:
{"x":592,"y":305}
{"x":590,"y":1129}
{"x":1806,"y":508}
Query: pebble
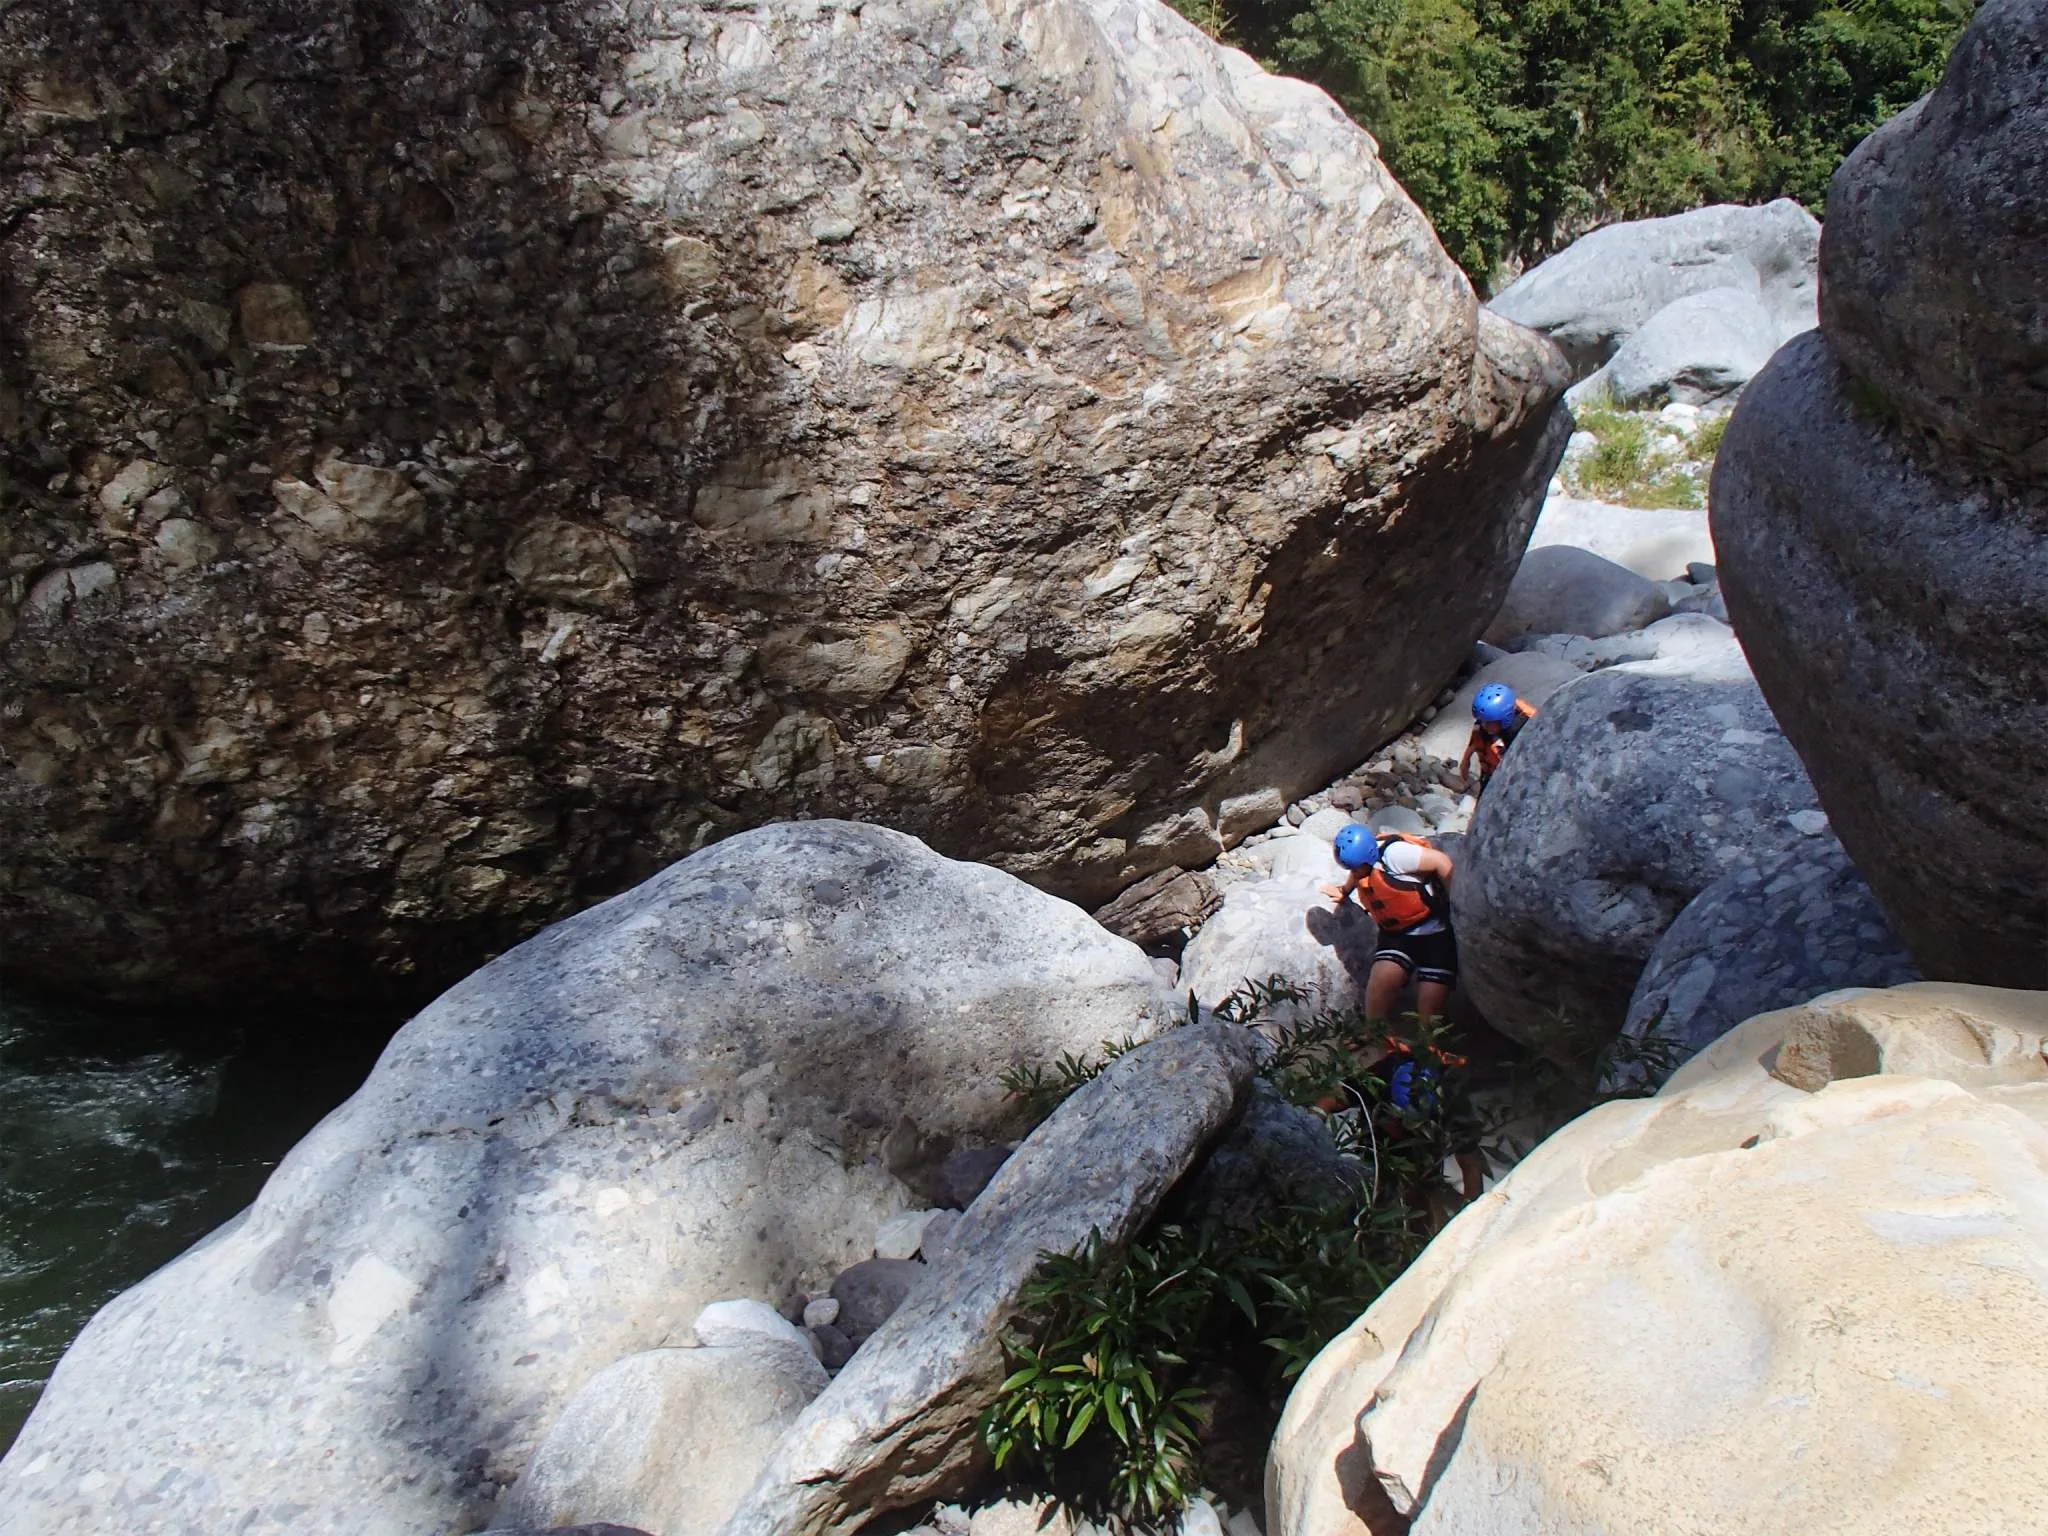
{"x":820,"y":1312}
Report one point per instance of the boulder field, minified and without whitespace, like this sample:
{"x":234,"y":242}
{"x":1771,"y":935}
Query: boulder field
{"x":1780,"y":1296}
{"x":1880,"y":505}
{"x":462,"y":458}
{"x":1683,"y":309}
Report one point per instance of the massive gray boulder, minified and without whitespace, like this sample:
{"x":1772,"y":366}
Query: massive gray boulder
{"x":1766,"y":935}
{"x":1284,"y":926}
{"x":1636,"y":788}
{"x":1896,"y":606}
{"x":460,"y":458}
{"x":687,"y":1093}
{"x":1604,"y":287}
{"x":1935,"y":283}
{"x":1881,"y":502}
{"x":897,"y":1427}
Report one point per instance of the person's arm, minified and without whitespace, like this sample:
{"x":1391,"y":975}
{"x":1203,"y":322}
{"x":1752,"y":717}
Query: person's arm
{"x":1343,"y":892}
{"x":1465,"y":762}
{"x":1434,"y":861}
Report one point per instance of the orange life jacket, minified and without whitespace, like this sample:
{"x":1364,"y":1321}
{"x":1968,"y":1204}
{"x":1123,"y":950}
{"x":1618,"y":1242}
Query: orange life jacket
{"x":1491,"y":749}
{"x":1400,"y":902}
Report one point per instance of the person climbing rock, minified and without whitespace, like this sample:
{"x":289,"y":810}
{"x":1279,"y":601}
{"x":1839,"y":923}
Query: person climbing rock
{"x":1406,"y":885}
{"x":1497,"y":719}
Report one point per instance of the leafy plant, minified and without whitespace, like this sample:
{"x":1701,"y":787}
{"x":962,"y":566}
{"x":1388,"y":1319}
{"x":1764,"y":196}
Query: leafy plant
{"x":1117,"y":1358}
{"x":1044,"y":1090}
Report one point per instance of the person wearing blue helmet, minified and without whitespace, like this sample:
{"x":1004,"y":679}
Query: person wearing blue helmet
{"x":1497,"y":719}
{"x":1405,"y":884}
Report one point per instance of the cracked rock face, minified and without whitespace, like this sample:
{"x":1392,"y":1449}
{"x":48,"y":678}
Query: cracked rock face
{"x":455,"y":463}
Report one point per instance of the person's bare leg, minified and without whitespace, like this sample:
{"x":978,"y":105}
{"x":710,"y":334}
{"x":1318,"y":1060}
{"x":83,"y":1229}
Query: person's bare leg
{"x":1430,"y":998}
{"x":1383,"y":985}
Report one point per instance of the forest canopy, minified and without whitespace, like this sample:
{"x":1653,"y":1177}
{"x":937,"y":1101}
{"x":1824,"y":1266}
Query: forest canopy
{"x":1520,"y":124}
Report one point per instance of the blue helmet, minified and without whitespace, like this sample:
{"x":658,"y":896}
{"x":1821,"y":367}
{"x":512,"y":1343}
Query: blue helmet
{"x":1356,"y":847}
{"x":1494,"y":704}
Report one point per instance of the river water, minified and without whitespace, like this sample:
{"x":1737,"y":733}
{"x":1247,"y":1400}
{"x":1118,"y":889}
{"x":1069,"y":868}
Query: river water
{"x":123,"y":1141}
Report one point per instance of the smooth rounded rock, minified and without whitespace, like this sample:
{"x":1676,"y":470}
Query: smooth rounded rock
{"x":1764,"y":937}
{"x":1755,"y":1303}
{"x":668,"y":1440}
{"x":678,"y":1096}
{"x":1605,"y":286}
{"x":1697,"y":350}
{"x":868,"y":1292}
{"x":1561,"y":589}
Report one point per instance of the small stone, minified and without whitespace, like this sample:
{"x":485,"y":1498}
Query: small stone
{"x":834,"y":1347}
{"x":742,"y":1323}
{"x":1346,"y":797}
{"x":1296,"y":815}
{"x":1810,"y":823}
{"x":1702,"y":573}
{"x":819,"y":1312}
{"x":900,"y":1237}
{"x":868,"y":1292}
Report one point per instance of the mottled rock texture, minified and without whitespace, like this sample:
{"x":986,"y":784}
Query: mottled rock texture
{"x":1765,"y":936}
{"x":1763,"y":1301}
{"x":1934,"y":278}
{"x":458,"y":458}
{"x":1636,"y":788}
{"x":1880,"y":503}
{"x":681,"y":1095}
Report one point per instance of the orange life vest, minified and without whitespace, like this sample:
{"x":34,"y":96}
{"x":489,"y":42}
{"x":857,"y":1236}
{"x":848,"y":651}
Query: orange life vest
{"x":1491,"y":749}
{"x":1400,"y":902}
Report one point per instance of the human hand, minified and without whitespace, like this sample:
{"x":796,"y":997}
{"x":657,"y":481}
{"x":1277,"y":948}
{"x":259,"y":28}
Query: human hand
{"x":1334,"y":892}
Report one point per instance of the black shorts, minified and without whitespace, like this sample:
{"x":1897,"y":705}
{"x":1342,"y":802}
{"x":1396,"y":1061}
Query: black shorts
{"x":1425,"y":956}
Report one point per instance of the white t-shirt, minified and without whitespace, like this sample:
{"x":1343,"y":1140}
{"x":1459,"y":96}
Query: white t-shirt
{"x":1406,"y":859}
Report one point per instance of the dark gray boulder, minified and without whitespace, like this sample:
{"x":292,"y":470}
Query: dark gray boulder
{"x":1936,"y":281}
{"x":870,"y":1291}
{"x":1896,"y":608}
{"x":1636,"y":788}
{"x":1768,"y":935}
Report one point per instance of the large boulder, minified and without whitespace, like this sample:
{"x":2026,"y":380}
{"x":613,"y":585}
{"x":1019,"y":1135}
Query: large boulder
{"x":1562,"y":589}
{"x":1764,"y":936}
{"x":1935,"y":284}
{"x":1896,"y":606}
{"x":668,"y":1440}
{"x":1604,"y":287}
{"x":897,"y":1427}
{"x":1694,"y":351}
{"x":1655,"y":542}
{"x":1755,"y":1303}
{"x":1636,"y":788}
{"x":460,"y":458}
{"x":689,"y":1092}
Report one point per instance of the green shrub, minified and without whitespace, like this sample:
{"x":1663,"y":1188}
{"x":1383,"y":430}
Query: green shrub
{"x":1706,"y":442}
{"x":1117,"y":1359}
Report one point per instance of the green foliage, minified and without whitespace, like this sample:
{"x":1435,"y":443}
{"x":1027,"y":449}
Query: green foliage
{"x":1045,"y":1090}
{"x":1519,"y":124}
{"x":1116,"y":1357}
{"x":1627,"y":466}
